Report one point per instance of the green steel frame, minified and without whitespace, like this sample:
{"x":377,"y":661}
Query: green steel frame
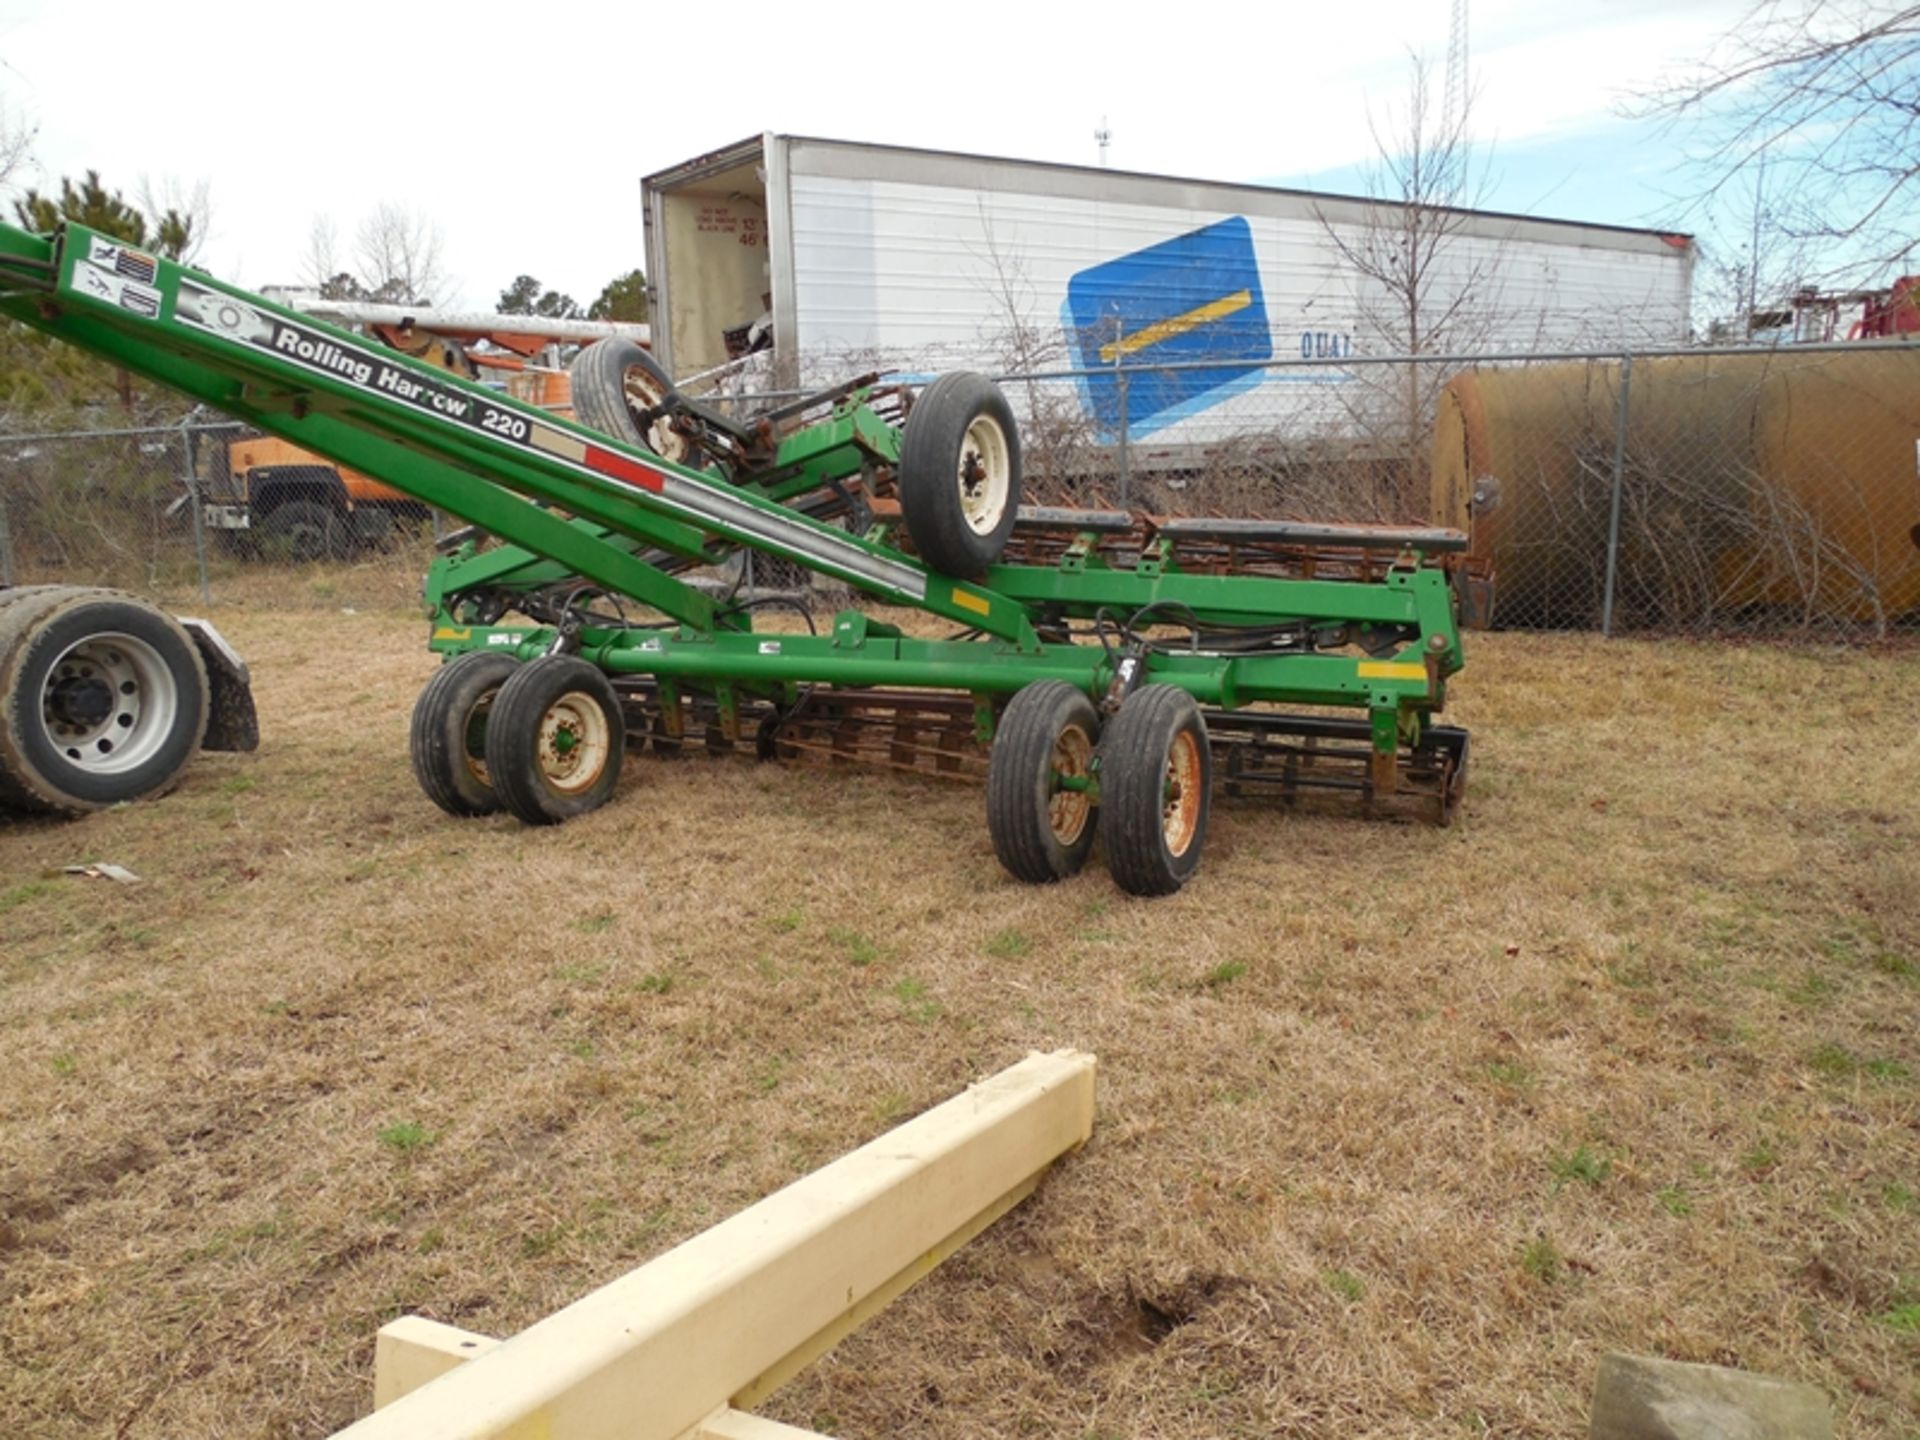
{"x":570,"y":502}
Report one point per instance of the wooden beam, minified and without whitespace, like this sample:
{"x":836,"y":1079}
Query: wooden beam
{"x":739,"y":1425}
{"x":724,"y":1318}
{"x":412,"y":1350}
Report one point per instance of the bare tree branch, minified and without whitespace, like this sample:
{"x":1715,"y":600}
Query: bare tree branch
{"x":399,"y":256}
{"x":1824,"y":95}
{"x":179,"y":216}
{"x":16,"y":145}
{"x":1415,"y":291}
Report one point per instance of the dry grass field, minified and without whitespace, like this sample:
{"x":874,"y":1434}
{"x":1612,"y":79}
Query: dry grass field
{"x":1400,"y":1128}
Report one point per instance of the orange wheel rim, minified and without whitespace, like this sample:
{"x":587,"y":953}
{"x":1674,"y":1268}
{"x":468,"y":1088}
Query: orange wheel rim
{"x":1069,"y":810}
{"x":1180,"y":807}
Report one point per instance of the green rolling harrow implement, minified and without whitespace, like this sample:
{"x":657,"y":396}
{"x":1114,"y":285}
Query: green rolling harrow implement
{"x":1105,"y":668}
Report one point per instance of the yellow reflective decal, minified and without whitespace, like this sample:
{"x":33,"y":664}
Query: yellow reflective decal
{"x":447,"y":632}
{"x":1392,"y":670}
{"x":976,"y":603}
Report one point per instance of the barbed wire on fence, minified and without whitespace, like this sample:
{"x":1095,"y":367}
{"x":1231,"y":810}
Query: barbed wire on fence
{"x":1690,"y":491}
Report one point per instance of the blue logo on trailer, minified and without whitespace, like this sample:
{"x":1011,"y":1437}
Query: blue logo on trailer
{"x":1194,"y":298}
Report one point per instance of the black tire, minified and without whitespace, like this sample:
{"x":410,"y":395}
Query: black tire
{"x":537,"y":778}
{"x":448,"y":737}
{"x":1156,"y":790}
{"x":20,"y":594}
{"x":1041,"y":831}
{"x":304,"y":531}
{"x":103,"y":699}
{"x":960,"y":474}
{"x":608,"y":379}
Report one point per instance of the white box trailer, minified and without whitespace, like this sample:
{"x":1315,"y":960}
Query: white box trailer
{"x":878,"y":257}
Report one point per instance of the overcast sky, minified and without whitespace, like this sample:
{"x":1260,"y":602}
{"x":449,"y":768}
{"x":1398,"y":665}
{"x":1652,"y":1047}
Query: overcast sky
{"x":523,"y":129}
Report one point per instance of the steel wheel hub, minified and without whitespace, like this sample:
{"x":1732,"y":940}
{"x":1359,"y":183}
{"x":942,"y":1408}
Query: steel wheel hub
{"x":1180,"y":810}
{"x":574,"y":744}
{"x":108,"y":703}
{"x":985,"y":475}
{"x":1068,"y":809}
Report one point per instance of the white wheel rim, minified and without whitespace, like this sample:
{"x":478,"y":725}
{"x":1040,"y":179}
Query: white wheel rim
{"x":574,"y":743}
{"x":984,"y":474}
{"x":643,"y":394}
{"x":109,"y":703}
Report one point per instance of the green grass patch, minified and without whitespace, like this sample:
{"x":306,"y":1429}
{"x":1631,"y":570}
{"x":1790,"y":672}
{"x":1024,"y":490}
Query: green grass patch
{"x":1903,"y":1317}
{"x":912,"y":995}
{"x":1344,"y":1284}
{"x":1510,"y":1073}
{"x":1541,"y":1259}
{"x":1586,"y":1165}
{"x":406,"y":1136}
{"x":1009,"y":945}
{"x":1888,"y":963}
{"x":1674,"y":1201}
{"x":1833,"y":1060}
{"x":20,"y":894}
{"x":858,"y":948}
{"x":1223,"y":975}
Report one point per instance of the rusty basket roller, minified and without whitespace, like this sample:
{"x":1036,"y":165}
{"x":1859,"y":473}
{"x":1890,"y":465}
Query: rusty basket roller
{"x":1778,"y":488}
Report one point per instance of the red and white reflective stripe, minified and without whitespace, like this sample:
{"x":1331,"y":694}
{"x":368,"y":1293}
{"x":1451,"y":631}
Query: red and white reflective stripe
{"x":620,"y":467}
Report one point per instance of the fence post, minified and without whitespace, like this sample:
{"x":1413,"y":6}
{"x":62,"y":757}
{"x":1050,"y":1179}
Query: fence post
{"x":193,"y":503}
{"x":1121,"y":379}
{"x":1619,"y":478}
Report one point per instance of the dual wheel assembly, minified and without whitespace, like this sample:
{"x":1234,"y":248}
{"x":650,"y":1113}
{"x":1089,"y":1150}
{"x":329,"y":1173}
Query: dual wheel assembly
{"x":1143,"y":780}
{"x":543,"y":740}
{"x":103,"y":699}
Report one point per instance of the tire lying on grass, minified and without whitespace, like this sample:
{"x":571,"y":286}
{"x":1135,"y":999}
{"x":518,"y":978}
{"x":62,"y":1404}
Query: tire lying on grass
{"x":960,"y":474}
{"x":555,"y":739}
{"x":448,"y":736}
{"x":103,"y":699}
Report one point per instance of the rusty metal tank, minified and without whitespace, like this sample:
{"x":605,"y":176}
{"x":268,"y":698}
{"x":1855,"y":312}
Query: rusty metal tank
{"x":1779,"y":487}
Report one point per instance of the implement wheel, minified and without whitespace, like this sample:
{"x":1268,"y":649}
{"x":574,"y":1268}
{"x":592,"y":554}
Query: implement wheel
{"x":102,"y":699}
{"x":1041,"y":822}
{"x":448,"y":740}
{"x":555,"y":739}
{"x":617,"y":381}
{"x":960,"y":473}
{"x":1156,"y":777}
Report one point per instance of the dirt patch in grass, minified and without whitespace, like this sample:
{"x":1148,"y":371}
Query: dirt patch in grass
{"x":1399,"y":1128}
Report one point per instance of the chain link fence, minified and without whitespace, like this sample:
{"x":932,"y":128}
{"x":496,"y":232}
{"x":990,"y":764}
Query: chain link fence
{"x":1693,"y":492}
{"x":203,"y":512}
